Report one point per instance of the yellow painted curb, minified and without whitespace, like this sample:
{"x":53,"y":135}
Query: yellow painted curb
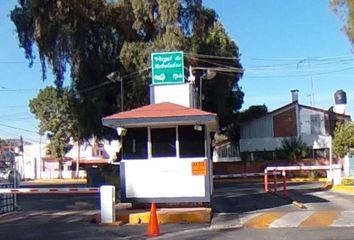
{"x":307,"y":179}
{"x":343,"y":188}
{"x":166,"y":215}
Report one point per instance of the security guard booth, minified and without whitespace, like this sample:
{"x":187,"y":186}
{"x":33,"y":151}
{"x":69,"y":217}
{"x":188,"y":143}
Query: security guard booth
{"x":166,"y":155}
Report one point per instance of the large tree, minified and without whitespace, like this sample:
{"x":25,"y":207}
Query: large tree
{"x":53,"y":107}
{"x":345,"y":9}
{"x":97,"y":37}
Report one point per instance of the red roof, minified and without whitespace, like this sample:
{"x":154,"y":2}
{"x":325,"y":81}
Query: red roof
{"x":52,"y":159}
{"x":92,"y":161}
{"x":159,"y":110}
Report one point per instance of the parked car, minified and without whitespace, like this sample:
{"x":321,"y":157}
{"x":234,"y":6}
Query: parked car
{"x":8,"y":174}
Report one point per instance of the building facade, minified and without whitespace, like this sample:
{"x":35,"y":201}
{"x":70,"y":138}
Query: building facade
{"x":314,"y":126}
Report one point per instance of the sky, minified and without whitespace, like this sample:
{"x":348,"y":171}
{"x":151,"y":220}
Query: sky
{"x":284,"y":45}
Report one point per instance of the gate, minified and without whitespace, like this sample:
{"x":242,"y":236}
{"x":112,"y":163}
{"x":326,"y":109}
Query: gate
{"x":7,"y":201}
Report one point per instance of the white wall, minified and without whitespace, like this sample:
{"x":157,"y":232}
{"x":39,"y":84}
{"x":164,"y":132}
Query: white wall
{"x":163,"y":178}
{"x":181,"y":94}
{"x":317,"y":141}
{"x":30,"y":164}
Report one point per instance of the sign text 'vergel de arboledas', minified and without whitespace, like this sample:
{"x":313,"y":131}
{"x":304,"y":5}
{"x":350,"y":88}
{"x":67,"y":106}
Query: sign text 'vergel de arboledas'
{"x":167,"y":68}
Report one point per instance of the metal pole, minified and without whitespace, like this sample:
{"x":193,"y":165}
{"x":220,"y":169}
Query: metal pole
{"x":200,"y":91}
{"x":15,"y":182}
{"x":121,"y":95}
{"x":275,"y":180}
{"x":285,"y":192}
{"x":331,"y":160}
{"x":266,"y":180}
{"x":40,"y":156}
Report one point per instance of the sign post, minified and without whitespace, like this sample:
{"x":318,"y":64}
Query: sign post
{"x":167,"y":67}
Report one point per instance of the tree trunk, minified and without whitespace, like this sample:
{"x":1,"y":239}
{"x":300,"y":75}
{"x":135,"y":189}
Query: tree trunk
{"x":60,"y":168}
{"x":78,"y":159}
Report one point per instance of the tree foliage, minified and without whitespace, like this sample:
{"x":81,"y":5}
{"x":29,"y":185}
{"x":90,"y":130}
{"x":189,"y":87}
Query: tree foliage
{"x":53,"y":108}
{"x":94,"y":38}
{"x":294,"y":148}
{"x":345,"y":9}
{"x":343,"y":141}
{"x":252,"y":113}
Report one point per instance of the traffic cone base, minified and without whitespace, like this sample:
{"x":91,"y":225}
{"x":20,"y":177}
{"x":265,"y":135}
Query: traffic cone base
{"x":153,"y":229}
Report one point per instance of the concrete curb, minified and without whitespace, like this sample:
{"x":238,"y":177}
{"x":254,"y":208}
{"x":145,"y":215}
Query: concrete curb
{"x":165,"y":216}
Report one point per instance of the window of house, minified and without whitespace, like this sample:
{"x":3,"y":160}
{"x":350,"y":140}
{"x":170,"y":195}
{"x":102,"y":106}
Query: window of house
{"x":191,"y":142}
{"x":135,"y":144}
{"x":163,"y":142}
{"x":321,"y":153}
{"x":315,"y":124}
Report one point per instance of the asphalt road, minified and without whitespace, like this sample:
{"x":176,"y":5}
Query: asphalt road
{"x":68,"y":216}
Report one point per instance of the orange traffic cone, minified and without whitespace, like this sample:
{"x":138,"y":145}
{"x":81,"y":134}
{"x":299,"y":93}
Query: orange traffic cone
{"x":153,"y":229}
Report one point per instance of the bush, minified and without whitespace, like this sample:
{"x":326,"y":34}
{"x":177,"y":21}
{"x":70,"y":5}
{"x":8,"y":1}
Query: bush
{"x":348,"y":181}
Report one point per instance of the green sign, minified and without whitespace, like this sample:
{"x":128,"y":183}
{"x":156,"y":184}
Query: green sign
{"x":167,"y":68}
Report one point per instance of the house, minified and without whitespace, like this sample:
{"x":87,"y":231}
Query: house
{"x":35,"y":163}
{"x":313,"y":125}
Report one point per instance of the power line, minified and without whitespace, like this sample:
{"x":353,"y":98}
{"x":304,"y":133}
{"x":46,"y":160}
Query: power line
{"x":211,"y":56}
{"x":125,"y":77}
{"x":222,"y":67}
{"x":302,"y":58}
{"x":17,"y":128}
{"x":302,"y":74}
{"x":18,"y":90}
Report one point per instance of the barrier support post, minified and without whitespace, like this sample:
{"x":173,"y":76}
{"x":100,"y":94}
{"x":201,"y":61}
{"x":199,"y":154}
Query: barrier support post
{"x":266,"y":180}
{"x":285,"y":192}
{"x":275,"y":180}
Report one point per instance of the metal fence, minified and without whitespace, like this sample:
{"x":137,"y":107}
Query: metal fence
{"x":7,"y":201}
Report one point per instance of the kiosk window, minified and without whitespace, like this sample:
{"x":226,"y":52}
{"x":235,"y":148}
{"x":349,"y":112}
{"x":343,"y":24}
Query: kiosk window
{"x":191,"y":142}
{"x":135,"y":144}
{"x":163,"y":142}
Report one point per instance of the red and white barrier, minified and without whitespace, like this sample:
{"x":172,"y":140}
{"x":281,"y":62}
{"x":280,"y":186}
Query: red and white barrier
{"x":237,"y":175}
{"x":283,"y":169}
{"x":48,"y":190}
{"x":297,"y":168}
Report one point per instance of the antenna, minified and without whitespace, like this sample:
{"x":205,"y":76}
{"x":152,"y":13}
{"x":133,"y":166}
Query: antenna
{"x":310,"y":71}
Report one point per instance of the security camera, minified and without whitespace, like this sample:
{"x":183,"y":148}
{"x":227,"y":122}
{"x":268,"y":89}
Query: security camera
{"x":121,"y":131}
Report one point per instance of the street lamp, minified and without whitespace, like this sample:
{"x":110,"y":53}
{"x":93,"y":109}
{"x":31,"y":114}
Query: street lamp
{"x":208,"y":74}
{"x":115,"y":77}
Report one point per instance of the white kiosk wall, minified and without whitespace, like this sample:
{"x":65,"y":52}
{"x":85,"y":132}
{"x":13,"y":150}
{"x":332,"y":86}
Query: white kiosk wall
{"x":166,"y":180}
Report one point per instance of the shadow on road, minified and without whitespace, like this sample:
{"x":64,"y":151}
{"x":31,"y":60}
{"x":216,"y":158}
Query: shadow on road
{"x":248,"y":197}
